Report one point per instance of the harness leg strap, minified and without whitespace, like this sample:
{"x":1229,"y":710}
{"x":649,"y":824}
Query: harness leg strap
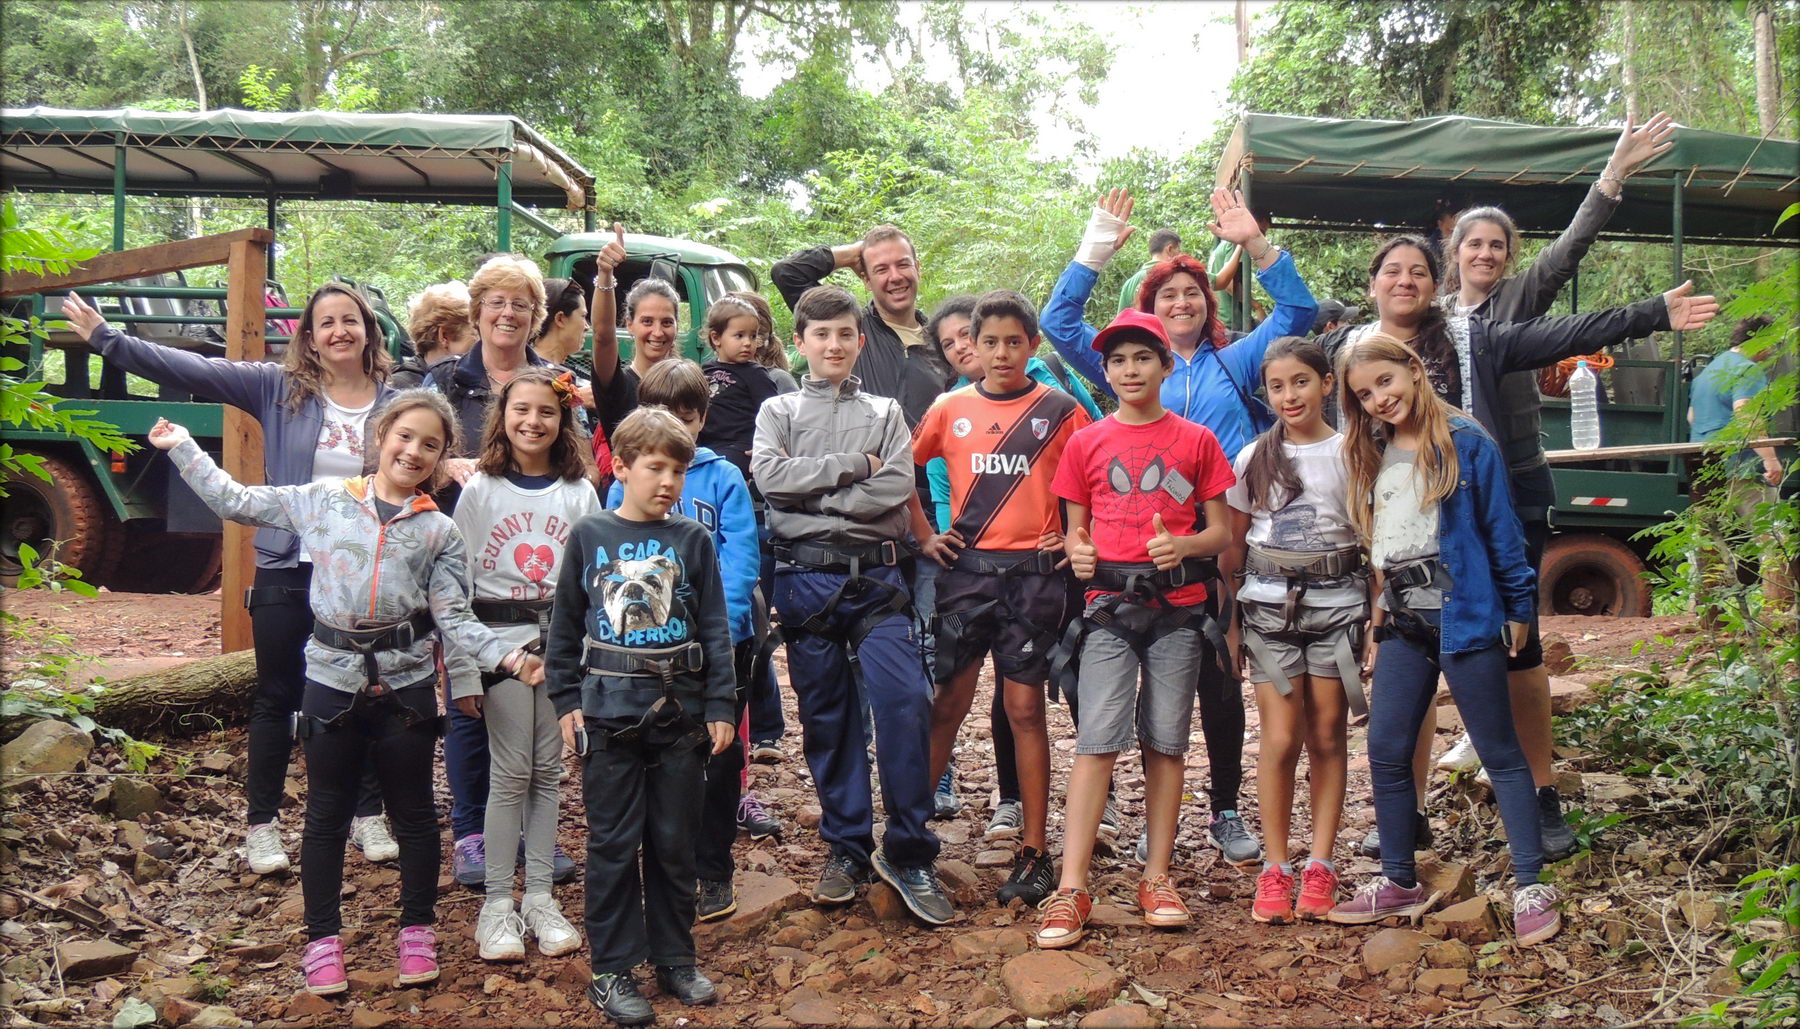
{"x":1265,"y":660}
{"x":1350,"y":674}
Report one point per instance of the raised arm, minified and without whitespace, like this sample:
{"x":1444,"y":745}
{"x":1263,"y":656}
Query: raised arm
{"x":1523,"y":346}
{"x":795,"y":274}
{"x":1529,"y":293}
{"x":242,"y":384}
{"x":269,"y":506}
{"x":1108,"y":228}
{"x":603,"y":308}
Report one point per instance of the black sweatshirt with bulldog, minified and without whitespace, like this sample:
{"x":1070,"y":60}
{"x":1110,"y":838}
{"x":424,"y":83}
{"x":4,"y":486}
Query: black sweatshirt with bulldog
{"x":643,"y":586}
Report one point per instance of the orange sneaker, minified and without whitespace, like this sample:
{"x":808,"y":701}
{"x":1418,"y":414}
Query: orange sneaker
{"x":1274,"y":903}
{"x":1065,"y":918}
{"x":1318,"y":892}
{"x":1161,"y":904}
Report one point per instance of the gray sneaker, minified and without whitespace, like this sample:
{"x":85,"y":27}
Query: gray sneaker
{"x":839,"y":880}
{"x":1558,"y":838}
{"x":1143,"y":848}
{"x":1008,"y":821}
{"x":1234,"y":839}
{"x":919,"y":888}
{"x":1370,"y":847}
{"x":1109,"y":825}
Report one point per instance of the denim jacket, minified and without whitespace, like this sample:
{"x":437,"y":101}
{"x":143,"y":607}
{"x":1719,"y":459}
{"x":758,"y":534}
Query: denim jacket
{"x":1482,"y":547}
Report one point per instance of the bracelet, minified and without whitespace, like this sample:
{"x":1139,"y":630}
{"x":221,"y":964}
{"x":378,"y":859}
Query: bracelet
{"x":1268,"y":248}
{"x":606,"y":289}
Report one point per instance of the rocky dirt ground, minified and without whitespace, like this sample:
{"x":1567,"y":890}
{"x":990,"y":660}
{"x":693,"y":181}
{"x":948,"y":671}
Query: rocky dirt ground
{"x":125,"y":901}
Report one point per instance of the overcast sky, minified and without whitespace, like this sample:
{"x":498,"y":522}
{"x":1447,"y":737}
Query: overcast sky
{"x":1189,"y":48}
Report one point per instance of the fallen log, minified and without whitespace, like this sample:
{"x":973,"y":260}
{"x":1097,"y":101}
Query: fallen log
{"x":191,"y":698}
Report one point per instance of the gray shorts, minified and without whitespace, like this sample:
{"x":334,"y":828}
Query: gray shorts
{"x":1313,"y":657}
{"x":1115,"y":711}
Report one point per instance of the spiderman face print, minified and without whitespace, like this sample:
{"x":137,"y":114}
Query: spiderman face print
{"x":1141,"y":481}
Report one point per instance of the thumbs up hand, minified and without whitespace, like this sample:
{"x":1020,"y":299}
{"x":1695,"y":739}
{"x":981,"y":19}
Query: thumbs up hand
{"x":1162,"y":546}
{"x":610,"y":256}
{"x":1084,"y":557}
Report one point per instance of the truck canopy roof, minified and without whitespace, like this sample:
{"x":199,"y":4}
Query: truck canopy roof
{"x":1365,"y":175}
{"x":638,"y":243}
{"x":421,"y":158}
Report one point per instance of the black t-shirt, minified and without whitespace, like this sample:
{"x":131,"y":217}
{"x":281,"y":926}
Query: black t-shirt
{"x":738,"y":392}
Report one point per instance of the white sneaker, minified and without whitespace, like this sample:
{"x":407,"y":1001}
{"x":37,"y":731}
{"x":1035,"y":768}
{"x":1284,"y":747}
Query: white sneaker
{"x":500,"y":932}
{"x":371,"y":834}
{"x":264,"y":850}
{"x":1461,"y":757}
{"x":554,"y":934}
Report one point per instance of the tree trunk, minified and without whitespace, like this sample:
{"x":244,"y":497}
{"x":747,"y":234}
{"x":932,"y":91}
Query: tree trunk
{"x":1628,"y":66}
{"x":192,"y":698}
{"x":1242,"y":14}
{"x":196,"y":224}
{"x":1768,"y":72}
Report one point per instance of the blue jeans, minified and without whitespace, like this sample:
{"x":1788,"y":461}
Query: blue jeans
{"x":466,"y":768}
{"x":1404,"y":683}
{"x":899,"y":696}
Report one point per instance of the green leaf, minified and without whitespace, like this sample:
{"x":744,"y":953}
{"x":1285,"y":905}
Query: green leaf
{"x":132,"y":1014}
{"x":1792,"y":209}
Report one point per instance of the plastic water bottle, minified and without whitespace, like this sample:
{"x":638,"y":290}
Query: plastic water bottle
{"x":1584,"y":408}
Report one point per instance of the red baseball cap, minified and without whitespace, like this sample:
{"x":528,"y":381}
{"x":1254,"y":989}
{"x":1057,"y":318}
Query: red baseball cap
{"x":1136,"y":326}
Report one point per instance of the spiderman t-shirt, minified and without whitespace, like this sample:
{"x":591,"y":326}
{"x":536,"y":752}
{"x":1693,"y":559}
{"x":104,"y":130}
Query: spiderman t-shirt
{"x":1126,"y":474}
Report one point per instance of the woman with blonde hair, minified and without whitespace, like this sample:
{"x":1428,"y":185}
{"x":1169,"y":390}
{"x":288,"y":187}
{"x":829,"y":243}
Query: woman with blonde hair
{"x":437,"y":319}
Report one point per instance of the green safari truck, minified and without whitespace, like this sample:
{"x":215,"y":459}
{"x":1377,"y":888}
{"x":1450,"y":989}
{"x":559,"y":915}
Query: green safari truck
{"x":1368,"y":177}
{"x":107,"y":510}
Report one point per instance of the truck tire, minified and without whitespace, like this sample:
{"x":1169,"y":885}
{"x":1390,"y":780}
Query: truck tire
{"x":1589,"y":574}
{"x":69,"y":508}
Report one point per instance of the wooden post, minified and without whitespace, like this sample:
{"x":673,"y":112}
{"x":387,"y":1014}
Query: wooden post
{"x":246,"y":267}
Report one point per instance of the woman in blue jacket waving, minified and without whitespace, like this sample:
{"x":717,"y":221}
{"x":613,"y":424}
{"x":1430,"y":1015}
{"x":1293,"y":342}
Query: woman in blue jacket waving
{"x":1213,"y":377}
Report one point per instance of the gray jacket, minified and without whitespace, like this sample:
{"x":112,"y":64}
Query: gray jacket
{"x":811,"y":459}
{"x":259,"y":389}
{"x":1527,"y":295}
{"x":366,"y":573}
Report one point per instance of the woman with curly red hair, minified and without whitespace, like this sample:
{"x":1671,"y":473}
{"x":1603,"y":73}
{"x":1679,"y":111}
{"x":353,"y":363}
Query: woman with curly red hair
{"x":1213,"y":377}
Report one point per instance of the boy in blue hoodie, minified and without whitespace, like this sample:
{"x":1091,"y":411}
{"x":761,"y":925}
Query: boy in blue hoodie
{"x":716,"y":496}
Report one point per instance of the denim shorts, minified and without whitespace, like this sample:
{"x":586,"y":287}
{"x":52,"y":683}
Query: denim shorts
{"x":1126,"y":698}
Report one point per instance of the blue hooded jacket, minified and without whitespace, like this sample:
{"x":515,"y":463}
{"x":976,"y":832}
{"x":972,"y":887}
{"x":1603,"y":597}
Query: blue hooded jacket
{"x":716,"y":496}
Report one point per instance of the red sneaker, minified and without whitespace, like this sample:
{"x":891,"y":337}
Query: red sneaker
{"x":1161,"y":903}
{"x":1318,"y":892}
{"x":1274,"y":902}
{"x":1065,"y":918}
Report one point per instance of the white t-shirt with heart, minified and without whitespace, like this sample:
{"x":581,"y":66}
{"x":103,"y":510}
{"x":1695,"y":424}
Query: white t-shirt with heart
{"x":515,"y":535}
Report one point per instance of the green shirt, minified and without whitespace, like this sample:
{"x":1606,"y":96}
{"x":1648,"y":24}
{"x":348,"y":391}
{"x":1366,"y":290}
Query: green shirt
{"x":1128,"y":292}
{"x":1226,"y":299}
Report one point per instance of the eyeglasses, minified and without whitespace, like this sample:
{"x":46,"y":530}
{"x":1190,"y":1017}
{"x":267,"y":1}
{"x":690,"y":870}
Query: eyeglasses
{"x":498,"y":304}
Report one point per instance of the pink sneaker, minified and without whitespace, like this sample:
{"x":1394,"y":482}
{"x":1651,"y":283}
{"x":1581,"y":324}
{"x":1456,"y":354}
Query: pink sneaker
{"x":324,"y":966}
{"x":418,"y":955}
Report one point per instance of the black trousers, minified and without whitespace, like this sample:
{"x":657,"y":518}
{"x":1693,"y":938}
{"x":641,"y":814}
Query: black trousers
{"x":371,"y":735}
{"x":280,"y":624}
{"x":724,"y":786}
{"x":640,"y":803}
{"x":1221,"y":722}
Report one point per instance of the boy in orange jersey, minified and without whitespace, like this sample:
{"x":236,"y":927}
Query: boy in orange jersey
{"x":1003,"y":588}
